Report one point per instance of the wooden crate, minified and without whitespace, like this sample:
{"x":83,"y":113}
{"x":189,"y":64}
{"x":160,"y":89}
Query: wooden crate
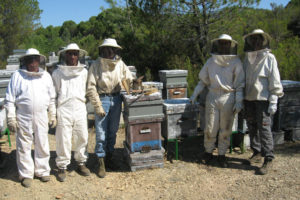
{"x":143,"y":134}
{"x":140,"y":161}
{"x":174,"y":93}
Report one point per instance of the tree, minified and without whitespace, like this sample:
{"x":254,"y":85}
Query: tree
{"x":18,"y":19}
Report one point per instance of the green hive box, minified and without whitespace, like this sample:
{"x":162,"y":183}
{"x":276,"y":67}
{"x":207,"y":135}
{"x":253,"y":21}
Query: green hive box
{"x":141,"y":107}
{"x":173,"y":78}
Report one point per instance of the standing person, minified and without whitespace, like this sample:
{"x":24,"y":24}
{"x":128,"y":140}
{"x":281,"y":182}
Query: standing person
{"x":224,"y":76}
{"x":70,"y":81}
{"x":104,"y":85}
{"x":263,"y":87}
{"x":29,"y":95}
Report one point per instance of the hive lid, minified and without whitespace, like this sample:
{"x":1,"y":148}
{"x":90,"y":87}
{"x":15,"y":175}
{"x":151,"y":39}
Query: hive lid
{"x":141,"y":97}
{"x":172,"y":73}
{"x":290,"y":84}
{"x":179,"y":105}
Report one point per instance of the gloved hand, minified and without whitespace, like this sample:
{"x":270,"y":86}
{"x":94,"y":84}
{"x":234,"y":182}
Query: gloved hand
{"x":52,"y":121}
{"x":12,"y":124}
{"x":192,"y":100}
{"x":100,"y":111}
{"x":272,"y":108}
{"x":238,"y":106}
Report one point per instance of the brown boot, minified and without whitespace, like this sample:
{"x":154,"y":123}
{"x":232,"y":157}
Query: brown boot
{"x":61,"y":175}
{"x":266,"y":167}
{"x":101,"y":171}
{"x":26,"y":182}
{"x":255,"y":158}
{"x":83,"y":170}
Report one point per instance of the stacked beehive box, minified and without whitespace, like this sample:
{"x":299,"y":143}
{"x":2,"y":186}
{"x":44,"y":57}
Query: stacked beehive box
{"x":174,"y":82}
{"x":287,"y":117}
{"x":180,"y":118}
{"x":143,"y":115}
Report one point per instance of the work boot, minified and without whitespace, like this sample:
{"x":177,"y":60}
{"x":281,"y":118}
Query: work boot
{"x":101,"y":171}
{"x":26,"y":182}
{"x":109,"y":162}
{"x":61,"y":175}
{"x":255,"y":158}
{"x":45,"y":178}
{"x":208,"y":158}
{"x":267,"y":166}
{"x":83,"y":170}
{"x":222,"y":161}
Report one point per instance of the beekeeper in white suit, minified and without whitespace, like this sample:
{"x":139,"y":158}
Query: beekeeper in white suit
{"x":223,"y":75}
{"x":263,"y":87}
{"x":29,"y":95}
{"x":70,"y":80}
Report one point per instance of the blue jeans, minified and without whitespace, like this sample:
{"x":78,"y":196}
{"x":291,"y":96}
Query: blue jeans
{"x":107,"y":126}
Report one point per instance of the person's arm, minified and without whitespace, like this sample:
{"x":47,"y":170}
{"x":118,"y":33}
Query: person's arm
{"x":92,"y":93}
{"x":10,"y":106}
{"x":239,"y":84}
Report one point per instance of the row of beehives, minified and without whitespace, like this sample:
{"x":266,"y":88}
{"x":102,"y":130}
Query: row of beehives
{"x":166,"y":113}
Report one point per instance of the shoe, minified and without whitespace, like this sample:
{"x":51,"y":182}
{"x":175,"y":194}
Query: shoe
{"x":109,"y":162}
{"x":83,"y":170}
{"x":101,"y":172}
{"x":61,"y":175}
{"x":266,"y":167}
{"x":26,"y":182}
{"x":208,"y":158}
{"x":255,"y":158}
{"x":45,"y":178}
{"x":222,"y":161}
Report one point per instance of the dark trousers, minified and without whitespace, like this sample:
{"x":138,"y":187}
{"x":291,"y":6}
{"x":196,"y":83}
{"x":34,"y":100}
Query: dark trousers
{"x":259,"y":123}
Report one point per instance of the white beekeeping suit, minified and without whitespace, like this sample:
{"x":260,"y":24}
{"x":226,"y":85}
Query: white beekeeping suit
{"x":28,"y":97}
{"x":224,"y":76}
{"x":70,"y":85}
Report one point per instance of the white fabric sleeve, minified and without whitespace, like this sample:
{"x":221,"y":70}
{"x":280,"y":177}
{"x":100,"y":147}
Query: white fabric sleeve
{"x":198,"y":89}
{"x":275,"y":86}
{"x":52,"y":94}
{"x":10,"y":97}
{"x":239,"y":82}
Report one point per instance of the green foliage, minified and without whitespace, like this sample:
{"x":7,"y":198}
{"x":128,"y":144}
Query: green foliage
{"x":17,"y":21}
{"x":169,"y":34}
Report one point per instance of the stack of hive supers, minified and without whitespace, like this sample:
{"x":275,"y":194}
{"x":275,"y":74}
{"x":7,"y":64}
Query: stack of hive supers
{"x":143,"y":115}
{"x":175,"y":83}
{"x":180,"y":118}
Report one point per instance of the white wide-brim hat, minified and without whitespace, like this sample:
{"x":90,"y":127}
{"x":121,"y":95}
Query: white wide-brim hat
{"x":110,"y":42}
{"x":73,"y":47}
{"x":33,"y":52}
{"x":266,"y":36}
{"x":225,"y":37}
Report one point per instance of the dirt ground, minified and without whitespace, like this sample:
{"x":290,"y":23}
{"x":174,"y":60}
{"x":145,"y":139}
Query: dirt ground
{"x":186,"y":178}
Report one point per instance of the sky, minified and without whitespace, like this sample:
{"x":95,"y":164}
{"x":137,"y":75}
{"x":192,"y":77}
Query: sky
{"x":55,"y":12}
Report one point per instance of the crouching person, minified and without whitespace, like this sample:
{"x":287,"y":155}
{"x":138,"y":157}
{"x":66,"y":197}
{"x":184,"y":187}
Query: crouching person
{"x":29,"y":95}
{"x":224,"y":76}
{"x":70,"y":84}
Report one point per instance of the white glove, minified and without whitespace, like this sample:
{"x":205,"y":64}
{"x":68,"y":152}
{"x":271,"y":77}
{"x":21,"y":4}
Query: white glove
{"x":12,"y":124}
{"x":272,"y":108}
{"x":238,"y":106}
{"x":52,"y":121}
{"x":100,"y":111}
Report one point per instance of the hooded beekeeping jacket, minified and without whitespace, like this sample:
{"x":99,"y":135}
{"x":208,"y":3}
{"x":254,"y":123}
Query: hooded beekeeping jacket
{"x":262,"y":76}
{"x":105,"y":76}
